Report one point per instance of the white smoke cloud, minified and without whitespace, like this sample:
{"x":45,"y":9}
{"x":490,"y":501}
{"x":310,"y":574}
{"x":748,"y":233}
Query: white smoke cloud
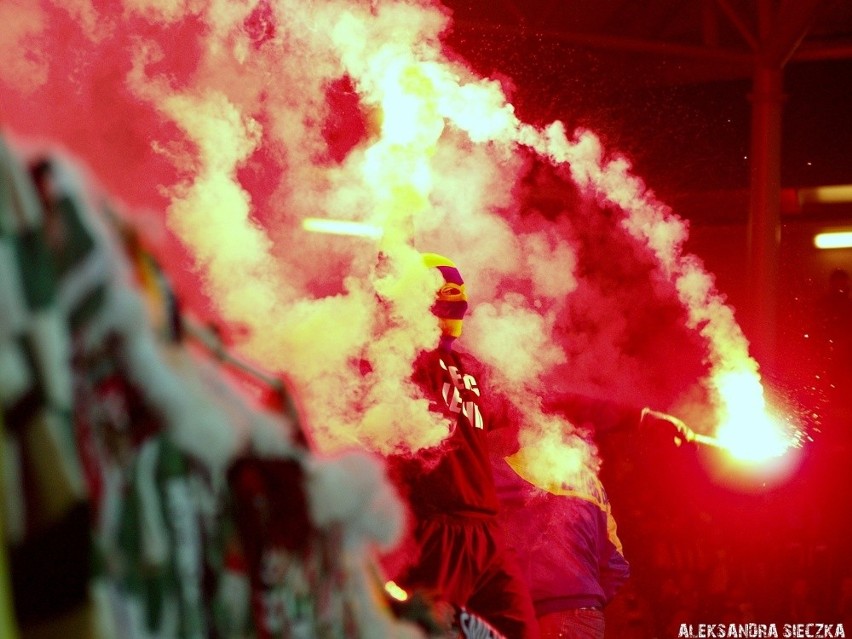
{"x":433,"y":157}
{"x":21,"y":26}
{"x":162,"y":11}
{"x":517,"y":339}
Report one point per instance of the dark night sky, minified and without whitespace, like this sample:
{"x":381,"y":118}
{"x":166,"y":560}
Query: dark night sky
{"x":682,"y":137}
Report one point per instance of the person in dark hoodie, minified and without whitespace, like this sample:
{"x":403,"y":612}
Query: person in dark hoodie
{"x":560,"y":523}
{"x":567,"y":547}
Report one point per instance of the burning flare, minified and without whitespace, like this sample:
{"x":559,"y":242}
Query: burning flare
{"x":747,"y":429}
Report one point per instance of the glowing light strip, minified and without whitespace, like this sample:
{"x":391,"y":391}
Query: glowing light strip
{"x":827,"y":194}
{"x":341,"y":227}
{"x":395,"y":591}
{"x":835,"y":240}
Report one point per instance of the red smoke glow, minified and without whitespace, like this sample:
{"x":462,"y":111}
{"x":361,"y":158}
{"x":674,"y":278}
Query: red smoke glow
{"x":221,"y":126}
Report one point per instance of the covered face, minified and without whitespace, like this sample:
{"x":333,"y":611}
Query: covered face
{"x":451,"y":299}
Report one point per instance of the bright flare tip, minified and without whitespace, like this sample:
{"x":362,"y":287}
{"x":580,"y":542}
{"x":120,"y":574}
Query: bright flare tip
{"x":749,"y":432}
{"x":754,"y":439}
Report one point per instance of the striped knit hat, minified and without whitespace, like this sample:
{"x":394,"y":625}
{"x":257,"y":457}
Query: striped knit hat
{"x":451,"y":301}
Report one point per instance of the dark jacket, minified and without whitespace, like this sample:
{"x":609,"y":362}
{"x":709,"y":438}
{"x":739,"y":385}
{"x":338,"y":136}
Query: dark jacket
{"x":565,"y":540}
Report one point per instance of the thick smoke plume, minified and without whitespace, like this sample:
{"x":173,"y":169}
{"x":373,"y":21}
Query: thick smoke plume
{"x":238,"y":120}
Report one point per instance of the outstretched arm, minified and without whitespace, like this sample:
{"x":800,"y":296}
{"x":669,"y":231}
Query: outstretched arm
{"x":657,"y":419}
{"x":606,"y":416}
